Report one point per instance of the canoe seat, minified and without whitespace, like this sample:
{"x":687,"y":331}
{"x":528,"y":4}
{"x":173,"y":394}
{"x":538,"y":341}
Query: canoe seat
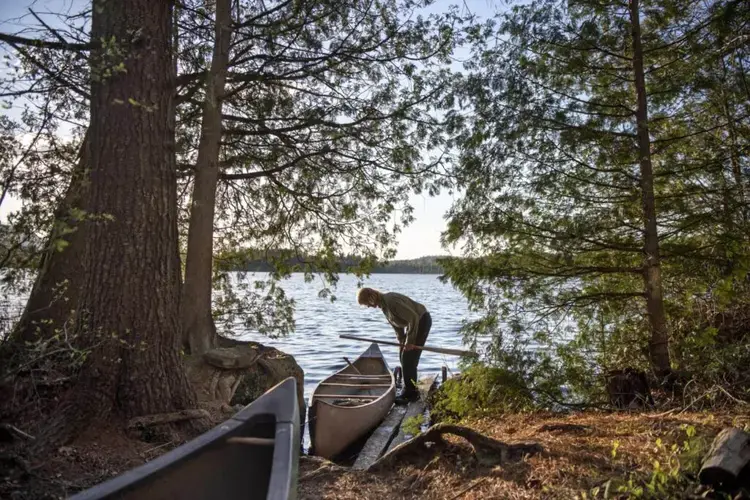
{"x":359,"y":386}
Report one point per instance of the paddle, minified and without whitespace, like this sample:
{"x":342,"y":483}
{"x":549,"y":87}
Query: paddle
{"x":351,"y":365}
{"x":441,"y":350}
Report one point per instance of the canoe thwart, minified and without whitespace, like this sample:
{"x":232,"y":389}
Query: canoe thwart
{"x":251,"y":440}
{"x":346,"y":396}
{"x":360,"y":386}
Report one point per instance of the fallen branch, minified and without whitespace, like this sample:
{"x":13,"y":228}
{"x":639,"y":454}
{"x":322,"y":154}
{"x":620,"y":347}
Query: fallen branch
{"x":468,"y":488}
{"x":326,"y":466}
{"x":500,"y":452}
{"x":11,"y":431}
{"x":166,"y":418}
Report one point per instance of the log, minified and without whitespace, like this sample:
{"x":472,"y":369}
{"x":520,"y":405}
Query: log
{"x":166,"y":418}
{"x":729,"y":454}
{"x":381,"y":439}
{"x":415,"y":408}
{"x":500,"y":452}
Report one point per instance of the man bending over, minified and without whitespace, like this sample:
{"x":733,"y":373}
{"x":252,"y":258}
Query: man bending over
{"x":412,"y":323}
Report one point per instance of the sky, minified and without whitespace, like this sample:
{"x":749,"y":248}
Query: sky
{"x":421,"y":238}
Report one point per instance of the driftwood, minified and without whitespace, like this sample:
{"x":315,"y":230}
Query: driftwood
{"x":497,"y":451}
{"x":729,"y":454}
{"x":166,"y":418}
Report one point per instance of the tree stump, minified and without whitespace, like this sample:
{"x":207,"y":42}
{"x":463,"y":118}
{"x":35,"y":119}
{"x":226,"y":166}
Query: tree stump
{"x":628,"y":389}
{"x":729,"y":454}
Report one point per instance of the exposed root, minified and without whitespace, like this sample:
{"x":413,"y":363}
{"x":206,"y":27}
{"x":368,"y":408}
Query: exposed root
{"x":325,"y":466}
{"x":560,"y":427}
{"x":497,"y":451}
{"x":9,"y":432}
{"x":167,"y":418}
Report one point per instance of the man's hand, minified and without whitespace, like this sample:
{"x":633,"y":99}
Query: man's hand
{"x":410,"y":347}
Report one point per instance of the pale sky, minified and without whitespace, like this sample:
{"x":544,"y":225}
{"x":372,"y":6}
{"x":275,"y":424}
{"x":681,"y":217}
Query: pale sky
{"x":421,"y":238}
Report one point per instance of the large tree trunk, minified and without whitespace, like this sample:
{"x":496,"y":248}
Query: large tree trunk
{"x":129,"y":303}
{"x":54,"y":297}
{"x":198,"y":330}
{"x":659,"y":344}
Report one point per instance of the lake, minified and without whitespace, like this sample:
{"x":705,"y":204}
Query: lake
{"x":316,"y":345}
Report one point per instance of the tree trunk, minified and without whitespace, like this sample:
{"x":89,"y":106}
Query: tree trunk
{"x":54,"y":297}
{"x":198,"y":330}
{"x":659,"y":343}
{"x":129,"y":303}
{"x":734,"y":148}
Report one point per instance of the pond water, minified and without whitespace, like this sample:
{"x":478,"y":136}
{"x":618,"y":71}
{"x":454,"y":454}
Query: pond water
{"x":316,"y":345}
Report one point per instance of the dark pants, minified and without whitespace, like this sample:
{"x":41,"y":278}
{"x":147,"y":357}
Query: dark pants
{"x":410,"y":359}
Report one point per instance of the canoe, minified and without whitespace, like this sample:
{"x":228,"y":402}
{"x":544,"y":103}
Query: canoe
{"x":253,"y":455}
{"x":350,"y":403}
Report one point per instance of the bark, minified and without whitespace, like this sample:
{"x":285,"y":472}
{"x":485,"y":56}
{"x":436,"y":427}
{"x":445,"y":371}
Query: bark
{"x":728,"y":456}
{"x":129,"y":304}
{"x":734,"y":148}
{"x":198,"y":329}
{"x":54,"y":295}
{"x":659,"y":343}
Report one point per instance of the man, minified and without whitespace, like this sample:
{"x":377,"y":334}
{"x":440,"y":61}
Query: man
{"x":412,"y":323}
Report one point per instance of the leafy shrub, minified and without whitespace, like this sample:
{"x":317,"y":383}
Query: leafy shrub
{"x":482,"y":390}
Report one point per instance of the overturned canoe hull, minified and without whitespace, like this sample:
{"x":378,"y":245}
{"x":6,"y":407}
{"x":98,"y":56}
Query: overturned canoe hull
{"x":253,"y":455}
{"x":350,"y":403}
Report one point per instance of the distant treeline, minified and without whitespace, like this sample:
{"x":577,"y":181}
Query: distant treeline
{"x":245,"y":262}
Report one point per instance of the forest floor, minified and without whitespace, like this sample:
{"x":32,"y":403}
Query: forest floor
{"x":584,"y":455}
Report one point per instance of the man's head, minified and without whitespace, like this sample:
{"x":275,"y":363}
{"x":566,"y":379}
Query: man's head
{"x":368,"y":297}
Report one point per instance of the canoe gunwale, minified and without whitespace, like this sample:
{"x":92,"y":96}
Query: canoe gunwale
{"x":277,"y":407}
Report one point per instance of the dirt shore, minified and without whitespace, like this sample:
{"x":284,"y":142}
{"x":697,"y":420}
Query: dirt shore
{"x":584,"y":455}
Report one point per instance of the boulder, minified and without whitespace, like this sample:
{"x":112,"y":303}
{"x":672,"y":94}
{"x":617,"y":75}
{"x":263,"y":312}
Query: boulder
{"x":229,"y":358}
{"x":238,"y":372}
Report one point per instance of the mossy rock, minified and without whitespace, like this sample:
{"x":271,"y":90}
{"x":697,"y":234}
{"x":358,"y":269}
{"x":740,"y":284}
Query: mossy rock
{"x":238,"y":372}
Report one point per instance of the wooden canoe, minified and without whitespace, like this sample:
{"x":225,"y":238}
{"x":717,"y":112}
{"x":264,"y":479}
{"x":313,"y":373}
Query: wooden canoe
{"x":347,"y":405}
{"x":253,"y":455}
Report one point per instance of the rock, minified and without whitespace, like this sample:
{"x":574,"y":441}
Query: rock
{"x":229,"y":358}
{"x":231,"y":378}
{"x":273,"y":367}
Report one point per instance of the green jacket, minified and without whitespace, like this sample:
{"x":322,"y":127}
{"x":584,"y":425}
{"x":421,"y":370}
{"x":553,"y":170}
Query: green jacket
{"x":402,"y":313}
